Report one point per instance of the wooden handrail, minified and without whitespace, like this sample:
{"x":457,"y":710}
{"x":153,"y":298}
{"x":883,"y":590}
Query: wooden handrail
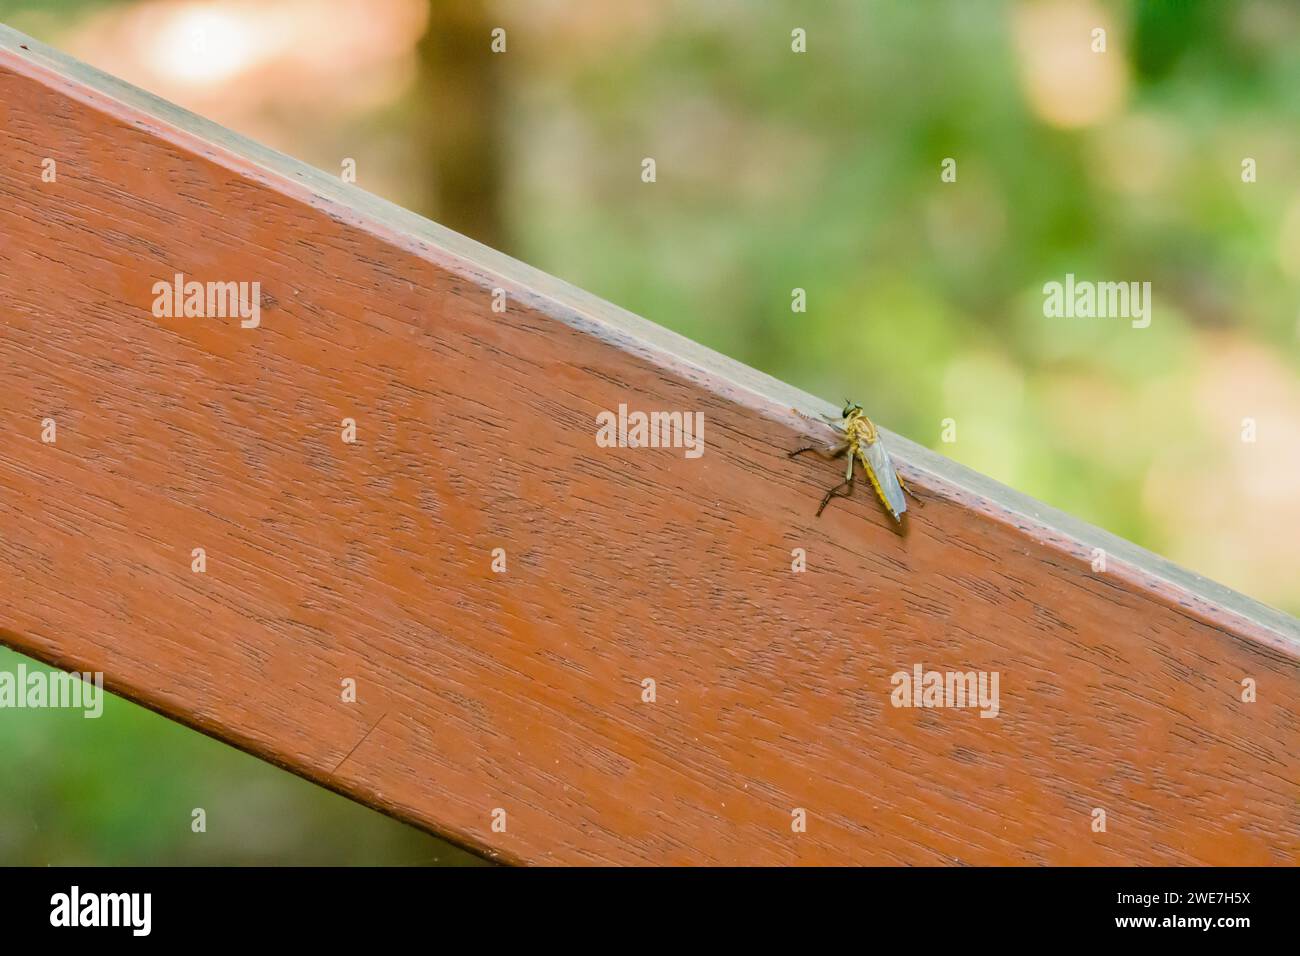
{"x":502,"y":589}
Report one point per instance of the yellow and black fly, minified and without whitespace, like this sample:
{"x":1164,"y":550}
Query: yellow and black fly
{"x":861,"y":442}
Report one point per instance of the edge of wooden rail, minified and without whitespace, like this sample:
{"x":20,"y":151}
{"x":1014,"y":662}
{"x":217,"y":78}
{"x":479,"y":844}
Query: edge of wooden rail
{"x":575,"y":307}
{"x":1160,"y":580}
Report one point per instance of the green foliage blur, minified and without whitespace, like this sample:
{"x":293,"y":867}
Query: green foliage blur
{"x":779,"y":170}
{"x":821,"y":171}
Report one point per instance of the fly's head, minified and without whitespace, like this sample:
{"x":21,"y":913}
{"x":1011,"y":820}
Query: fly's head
{"x":857,"y":424}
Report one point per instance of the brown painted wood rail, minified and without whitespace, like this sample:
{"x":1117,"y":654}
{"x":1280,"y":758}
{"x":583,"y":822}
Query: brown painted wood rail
{"x":523,"y":691}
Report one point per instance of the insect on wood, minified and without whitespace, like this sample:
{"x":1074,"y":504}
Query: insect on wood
{"x":861,"y":442}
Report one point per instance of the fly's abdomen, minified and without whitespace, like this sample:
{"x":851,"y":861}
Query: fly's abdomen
{"x":880,"y":469}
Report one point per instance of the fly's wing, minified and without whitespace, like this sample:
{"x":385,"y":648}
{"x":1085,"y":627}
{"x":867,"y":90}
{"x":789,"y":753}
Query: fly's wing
{"x":883,"y":477}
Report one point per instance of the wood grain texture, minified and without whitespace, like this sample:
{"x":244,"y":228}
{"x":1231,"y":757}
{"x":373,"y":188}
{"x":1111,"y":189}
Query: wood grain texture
{"x":522,"y":691}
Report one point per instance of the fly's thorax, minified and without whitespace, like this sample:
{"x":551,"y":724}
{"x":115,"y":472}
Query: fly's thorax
{"x":861,"y":431}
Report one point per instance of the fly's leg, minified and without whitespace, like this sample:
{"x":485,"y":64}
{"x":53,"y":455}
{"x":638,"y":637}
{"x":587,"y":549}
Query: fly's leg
{"x":835,"y":492}
{"x":915,"y":497}
{"x":829,"y":454}
{"x":836,"y":421}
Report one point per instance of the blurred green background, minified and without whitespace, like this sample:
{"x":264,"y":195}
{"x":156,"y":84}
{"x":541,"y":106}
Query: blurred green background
{"x":779,"y":170}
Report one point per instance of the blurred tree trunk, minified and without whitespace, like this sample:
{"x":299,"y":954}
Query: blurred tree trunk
{"x":460,"y":138}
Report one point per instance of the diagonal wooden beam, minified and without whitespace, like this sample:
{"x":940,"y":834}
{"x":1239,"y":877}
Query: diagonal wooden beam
{"x":524,"y":690}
